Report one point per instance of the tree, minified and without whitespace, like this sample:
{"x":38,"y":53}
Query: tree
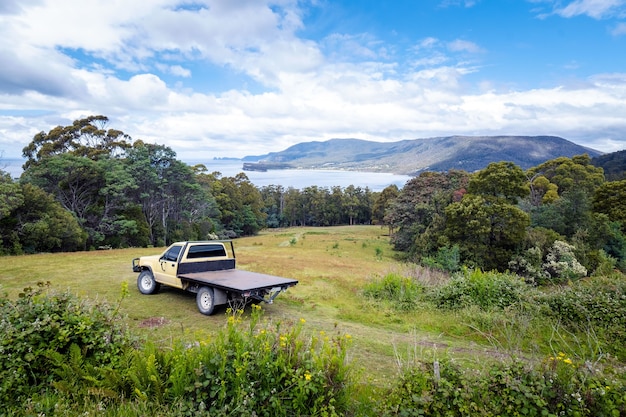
{"x":487,"y":229}
{"x":273,"y":205}
{"x":542,"y":191}
{"x":570,"y":213}
{"x":503,"y":180}
{"x":239,"y":202}
{"x":86,"y":137}
{"x":570,"y":174}
{"x":383,"y":202}
{"x":171,"y":199}
{"x":41,"y":224}
{"x":10,"y":194}
{"x":417,"y":214}
{"x":610,"y":199}
{"x":293,"y":206}
{"x":351,"y":202}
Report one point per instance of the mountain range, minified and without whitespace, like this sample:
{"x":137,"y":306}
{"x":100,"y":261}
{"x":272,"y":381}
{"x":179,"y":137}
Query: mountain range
{"x":410,"y":157}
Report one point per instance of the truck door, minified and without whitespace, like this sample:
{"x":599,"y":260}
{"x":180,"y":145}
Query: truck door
{"x":168,"y":265}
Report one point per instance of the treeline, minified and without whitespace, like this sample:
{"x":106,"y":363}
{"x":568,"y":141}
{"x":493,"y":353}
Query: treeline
{"x":85,"y":187}
{"x":552,"y":223}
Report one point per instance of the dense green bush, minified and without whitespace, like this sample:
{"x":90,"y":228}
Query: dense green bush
{"x":57,"y":341}
{"x":595,"y":305}
{"x":248,"y":369}
{"x":402,"y":292}
{"x":447,"y":259}
{"x":487,"y":290}
{"x":556,"y":387}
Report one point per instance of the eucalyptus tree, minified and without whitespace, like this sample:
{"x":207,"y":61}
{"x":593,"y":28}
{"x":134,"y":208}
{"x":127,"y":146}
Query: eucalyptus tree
{"x":40,"y":224}
{"x":571,"y":174}
{"x":80,"y":165}
{"x":383,"y":203}
{"x":10,"y":194}
{"x":610,"y":199}
{"x":175,"y":206}
{"x":417,"y":215}
{"x":92,"y":190}
{"x":86,"y":137}
{"x":486,"y":224}
{"x":239,"y":202}
{"x":273,"y":205}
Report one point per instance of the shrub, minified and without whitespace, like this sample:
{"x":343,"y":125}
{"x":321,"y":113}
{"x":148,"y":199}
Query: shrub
{"x":486,"y":290}
{"x":447,"y":259}
{"x":596,"y":305}
{"x":50,"y":339}
{"x":529,"y":265}
{"x":402,"y":292}
{"x":558,"y":386}
{"x":561,"y":263}
{"x":246,"y":370}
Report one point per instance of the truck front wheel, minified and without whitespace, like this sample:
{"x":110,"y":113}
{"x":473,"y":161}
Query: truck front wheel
{"x":146,"y":283}
{"x":205,"y":300}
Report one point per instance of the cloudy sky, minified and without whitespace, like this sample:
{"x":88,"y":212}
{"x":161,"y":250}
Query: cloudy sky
{"x":220,"y":78}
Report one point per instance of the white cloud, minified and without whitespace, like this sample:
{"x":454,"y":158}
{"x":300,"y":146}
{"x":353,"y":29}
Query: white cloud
{"x":619,"y":29}
{"x":346,"y":85}
{"x":460,"y":45}
{"x":597,"y":9}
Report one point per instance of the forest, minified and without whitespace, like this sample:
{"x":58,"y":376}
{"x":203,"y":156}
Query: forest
{"x":87,"y":186}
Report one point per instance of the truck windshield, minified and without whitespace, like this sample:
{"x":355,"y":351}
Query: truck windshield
{"x":172,"y":253}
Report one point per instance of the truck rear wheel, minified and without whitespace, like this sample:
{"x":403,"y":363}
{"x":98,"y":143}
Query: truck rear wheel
{"x":205,"y":300}
{"x":146,"y":283}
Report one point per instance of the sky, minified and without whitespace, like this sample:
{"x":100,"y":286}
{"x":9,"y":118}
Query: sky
{"x":232,"y":78}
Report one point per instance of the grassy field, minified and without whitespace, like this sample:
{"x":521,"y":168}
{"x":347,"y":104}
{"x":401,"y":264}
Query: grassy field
{"x":332,"y":266}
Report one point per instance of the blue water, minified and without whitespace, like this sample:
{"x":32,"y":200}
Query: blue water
{"x":302,"y":178}
{"x":296,"y":178}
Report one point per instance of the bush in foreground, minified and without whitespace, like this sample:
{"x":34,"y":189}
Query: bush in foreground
{"x":248,"y":369}
{"x":556,"y":387}
{"x":57,"y":342}
{"x":60,"y":355}
{"x":487,"y":290}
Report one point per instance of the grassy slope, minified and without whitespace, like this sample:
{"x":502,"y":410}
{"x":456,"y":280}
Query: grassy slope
{"x":331,"y":264}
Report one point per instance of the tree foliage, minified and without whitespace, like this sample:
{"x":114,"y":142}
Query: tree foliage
{"x":510,"y":219}
{"x":40,"y":224}
{"x":610,"y":199}
{"x":86,"y":137}
{"x":502,"y":180}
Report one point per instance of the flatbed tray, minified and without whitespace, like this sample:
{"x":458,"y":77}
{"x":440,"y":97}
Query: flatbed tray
{"x":238,"y":280}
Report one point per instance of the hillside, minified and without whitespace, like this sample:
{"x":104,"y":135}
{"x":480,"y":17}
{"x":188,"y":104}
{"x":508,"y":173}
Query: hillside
{"x":468,"y":153}
{"x":614,"y":165}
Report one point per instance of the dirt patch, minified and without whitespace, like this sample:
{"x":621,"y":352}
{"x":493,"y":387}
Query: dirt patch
{"x":153,"y":322}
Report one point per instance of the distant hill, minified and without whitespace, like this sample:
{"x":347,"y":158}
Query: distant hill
{"x":614,"y":165}
{"x":469,"y":153}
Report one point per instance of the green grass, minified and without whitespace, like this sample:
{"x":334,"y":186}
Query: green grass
{"x":332,"y":266}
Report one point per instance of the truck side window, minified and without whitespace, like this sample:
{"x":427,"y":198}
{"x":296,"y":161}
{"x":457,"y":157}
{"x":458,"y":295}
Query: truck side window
{"x":172,"y":253}
{"x":206,"y":251}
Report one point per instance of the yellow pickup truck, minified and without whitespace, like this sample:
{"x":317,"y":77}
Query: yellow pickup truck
{"x":207,"y":268}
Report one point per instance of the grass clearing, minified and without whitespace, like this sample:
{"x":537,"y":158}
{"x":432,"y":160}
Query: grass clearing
{"x":332,"y":266}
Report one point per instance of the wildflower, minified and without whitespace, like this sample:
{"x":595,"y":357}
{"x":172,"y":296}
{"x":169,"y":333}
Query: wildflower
{"x":567,"y":361}
{"x":307,"y":376}
{"x":302,"y":321}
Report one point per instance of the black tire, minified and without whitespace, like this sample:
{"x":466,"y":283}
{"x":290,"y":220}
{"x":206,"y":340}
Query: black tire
{"x":146,"y":283}
{"x":205,"y":300}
